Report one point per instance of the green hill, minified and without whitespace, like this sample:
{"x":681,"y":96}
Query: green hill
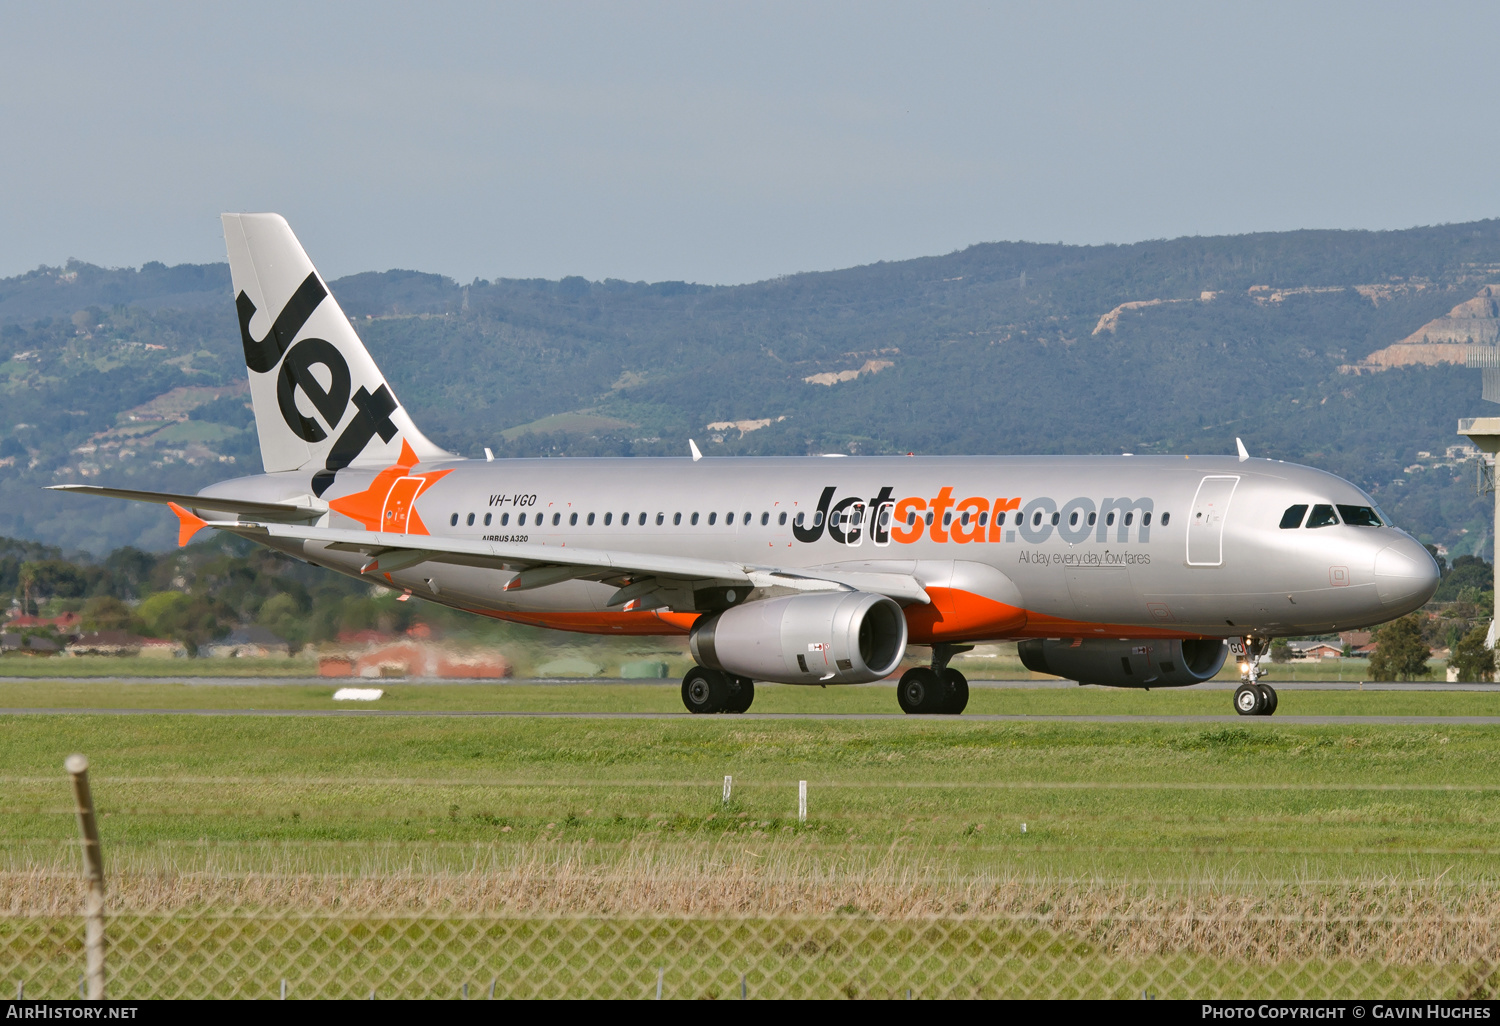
{"x":999,"y":348}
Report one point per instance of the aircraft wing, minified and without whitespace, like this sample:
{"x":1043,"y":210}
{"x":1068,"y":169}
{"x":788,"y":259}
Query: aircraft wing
{"x":640,"y":576}
{"x":280,"y":512}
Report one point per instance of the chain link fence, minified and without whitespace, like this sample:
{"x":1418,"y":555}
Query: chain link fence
{"x":510,"y":935}
{"x":1176,"y":950}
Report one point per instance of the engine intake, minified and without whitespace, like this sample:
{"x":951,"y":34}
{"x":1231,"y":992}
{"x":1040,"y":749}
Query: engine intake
{"x":835,"y":638}
{"x":1127,"y":664}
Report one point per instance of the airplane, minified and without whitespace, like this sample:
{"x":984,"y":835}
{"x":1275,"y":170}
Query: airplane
{"x":1126,"y":571}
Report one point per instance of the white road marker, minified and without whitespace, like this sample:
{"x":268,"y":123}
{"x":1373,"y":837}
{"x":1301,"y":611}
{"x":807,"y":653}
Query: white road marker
{"x":357,"y":694}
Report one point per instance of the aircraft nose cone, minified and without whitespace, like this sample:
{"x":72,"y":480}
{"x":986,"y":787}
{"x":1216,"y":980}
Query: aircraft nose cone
{"x":1405,"y":575}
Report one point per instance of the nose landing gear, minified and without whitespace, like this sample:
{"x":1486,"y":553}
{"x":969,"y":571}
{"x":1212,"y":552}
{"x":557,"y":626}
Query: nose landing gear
{"x":1253,"y":698}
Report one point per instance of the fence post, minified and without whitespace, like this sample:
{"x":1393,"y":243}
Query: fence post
{"x":728,"y":785}
{"x":93,"y":867}
{"x":801,"y":801}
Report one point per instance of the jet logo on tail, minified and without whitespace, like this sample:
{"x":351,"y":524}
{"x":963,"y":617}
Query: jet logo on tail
{"x":297,"y":360}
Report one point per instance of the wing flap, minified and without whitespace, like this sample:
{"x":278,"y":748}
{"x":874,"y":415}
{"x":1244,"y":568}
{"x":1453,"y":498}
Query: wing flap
{"x":279,"y":512}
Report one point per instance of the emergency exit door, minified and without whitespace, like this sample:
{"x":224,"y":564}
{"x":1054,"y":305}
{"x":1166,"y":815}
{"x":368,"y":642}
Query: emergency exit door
{"x":1205,"y":532}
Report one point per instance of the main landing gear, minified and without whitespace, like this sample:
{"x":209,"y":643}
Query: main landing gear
{"x":936,"y":689}
{"x":1253,"y":698}
{"x":713,"y":691}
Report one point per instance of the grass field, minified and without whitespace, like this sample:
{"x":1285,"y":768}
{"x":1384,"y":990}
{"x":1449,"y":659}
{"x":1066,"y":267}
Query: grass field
{"x":611,"y":820}
{"x":769,"y":698}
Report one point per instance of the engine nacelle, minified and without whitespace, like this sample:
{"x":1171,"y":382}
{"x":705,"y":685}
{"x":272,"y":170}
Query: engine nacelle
{"x":845,"y":637}
{"x":1127,"y":664}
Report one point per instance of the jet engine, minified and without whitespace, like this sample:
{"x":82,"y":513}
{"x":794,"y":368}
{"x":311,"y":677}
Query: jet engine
{"x":1126,"y":664}
{"x":845,"y":637}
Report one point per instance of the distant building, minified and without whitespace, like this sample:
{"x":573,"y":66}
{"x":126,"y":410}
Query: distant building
{"x":416,"y":659}
{"x":63,"y":622}
{"x":249,"y":643}
{"x":1311,"y":650}
{"x":1355,"y":639}
{"x":104,"y":643}
{"x":35,"y":645}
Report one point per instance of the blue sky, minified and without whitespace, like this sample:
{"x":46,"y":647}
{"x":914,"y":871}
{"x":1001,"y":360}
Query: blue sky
{"x":726,"y":143}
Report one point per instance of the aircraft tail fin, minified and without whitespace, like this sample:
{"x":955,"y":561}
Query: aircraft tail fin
{"x":321,"y":403}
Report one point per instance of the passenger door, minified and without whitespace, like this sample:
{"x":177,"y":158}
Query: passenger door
{"x":1205,"y":531}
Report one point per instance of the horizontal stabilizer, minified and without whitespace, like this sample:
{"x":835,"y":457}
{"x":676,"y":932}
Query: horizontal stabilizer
{"x":276,"y":512}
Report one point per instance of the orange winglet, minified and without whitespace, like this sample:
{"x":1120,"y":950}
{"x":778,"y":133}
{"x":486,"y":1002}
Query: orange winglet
{"x":188,"y":524}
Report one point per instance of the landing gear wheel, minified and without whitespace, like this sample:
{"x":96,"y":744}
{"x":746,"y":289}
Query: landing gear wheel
{"x":704,"y":690}
{"x":958,"y":691}
{"x":741,"y":694}
{"x":1268,"y":697}
{"x":1248,"y":700}
{"x":921,"y":692}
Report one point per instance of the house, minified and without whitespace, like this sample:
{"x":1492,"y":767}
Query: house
{"x":1312,"y":650}
{"x":104,"y":643}
{"x":249,"y":643}
{"x":1355,"y":639}
{"x":35,"y":645}
{"x":63,"y":622}
{"x":162,"y":648}
{"x":416,"y":659}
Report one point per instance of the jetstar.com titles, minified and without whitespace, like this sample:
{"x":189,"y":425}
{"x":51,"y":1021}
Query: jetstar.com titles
{"x":974,"y":519}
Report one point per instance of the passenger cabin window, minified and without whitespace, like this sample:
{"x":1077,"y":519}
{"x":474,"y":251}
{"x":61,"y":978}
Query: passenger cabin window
{"x":984,"y":518}
{"x":1322,"y":516}
{"x":747,"y":516}
{"x":1000,"y":519}
{"x":641,"y":520}
{"x":695,"y":520}
{"x":572,"y":519}
{"x":1292,"y":518}
{"x":765,"y":518}
{"x":556,"y":519}
{"x":591,"y":520}
{"x":1092,"y":518}
{"x":521,"y":520}
{"x":1129,"y":518}
{"x":1058,"y":516}
{"x":781,"y":520}
{"x":504,"y":519}
{"x":713,"y":519}
{"x":661,"y":518}
{"x":470,"y":521}
{"x":607,"y":518}
{"x":1360,"y":516}
{"x":1166,"y":518}
{"x":797,"y":521}
{"x":487,"y":517}
{"x":818,"y":519}
{"x":453,"y":520}
{"x":1145,"y":519}
{"x":1109,"y":519}
{"x":676,"y":519}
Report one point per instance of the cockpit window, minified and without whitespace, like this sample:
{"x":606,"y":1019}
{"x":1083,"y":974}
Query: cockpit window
{"x":1360,"y":516}
{"x":1293,"y":516}
{"x":1322,"y":516}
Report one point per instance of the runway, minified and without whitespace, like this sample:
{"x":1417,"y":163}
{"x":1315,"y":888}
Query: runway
{"x":1023,"y":685}
{"x":1248,"y":721}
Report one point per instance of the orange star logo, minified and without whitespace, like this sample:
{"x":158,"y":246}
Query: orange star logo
{"x":389,"y":504}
